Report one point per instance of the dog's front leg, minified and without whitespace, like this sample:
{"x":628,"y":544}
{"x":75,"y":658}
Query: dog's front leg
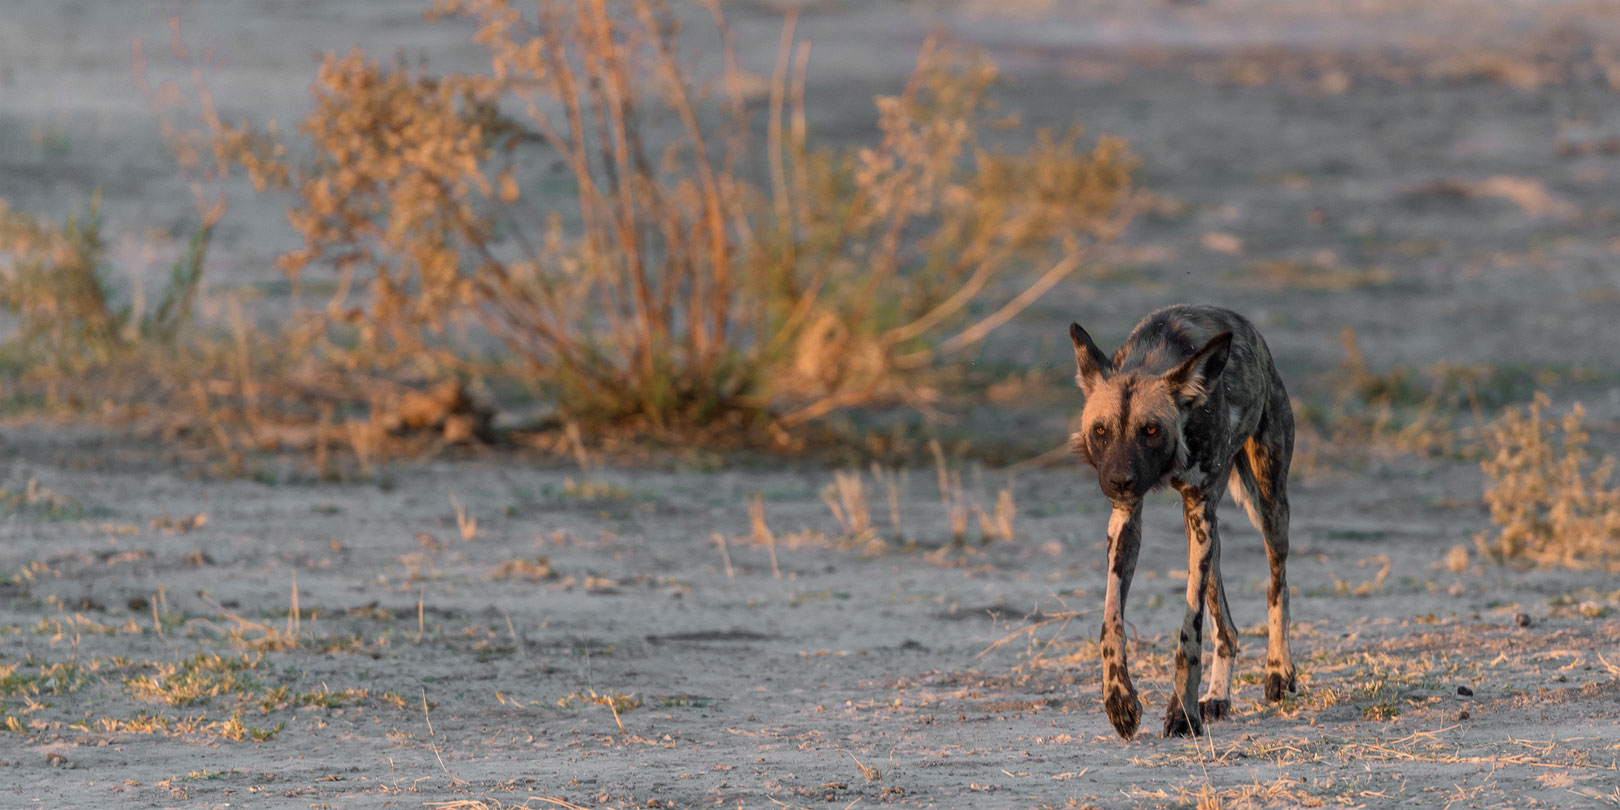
{"x":1124,"y":541}
{"x":1183,"y":717}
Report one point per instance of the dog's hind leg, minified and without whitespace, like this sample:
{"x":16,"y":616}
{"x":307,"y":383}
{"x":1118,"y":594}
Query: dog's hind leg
{"x":1260,"y":483}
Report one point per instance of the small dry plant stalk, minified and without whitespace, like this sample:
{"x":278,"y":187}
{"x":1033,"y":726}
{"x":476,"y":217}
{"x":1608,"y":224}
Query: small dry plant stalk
{"x":893,"y":482}
{"x":999,"y":526}
{"x":846,"y":497}
{"x":725,"y":554}
{"x":951,"y":495}
{"x":761,"y":533}
{"x":1548,"y":495}
{"x":467,"y":523}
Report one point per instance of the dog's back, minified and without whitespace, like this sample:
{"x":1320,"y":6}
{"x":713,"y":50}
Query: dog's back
{"x":1169,"y":336}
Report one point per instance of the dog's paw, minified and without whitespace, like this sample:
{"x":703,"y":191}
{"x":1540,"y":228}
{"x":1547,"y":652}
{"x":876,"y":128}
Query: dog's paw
{"x":1124,"y":711}
{"x":1178,"y":723}
{"x":1280,"y":684}
{"x":1214,"y":709}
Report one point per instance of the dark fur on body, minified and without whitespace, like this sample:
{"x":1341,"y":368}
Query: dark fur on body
{"x":1192,"y":401}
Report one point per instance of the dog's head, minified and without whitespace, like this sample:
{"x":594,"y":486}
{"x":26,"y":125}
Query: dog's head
{"x":1131,"y":429}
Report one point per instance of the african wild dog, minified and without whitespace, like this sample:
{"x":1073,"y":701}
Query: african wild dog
{"x":1191,"y":400}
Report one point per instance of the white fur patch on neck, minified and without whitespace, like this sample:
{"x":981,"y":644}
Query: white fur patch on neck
{"x":1117,"y":520}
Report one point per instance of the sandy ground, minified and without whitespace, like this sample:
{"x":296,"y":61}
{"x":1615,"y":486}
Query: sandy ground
{"x":1440,"y":181}
{"x":754,"y":689}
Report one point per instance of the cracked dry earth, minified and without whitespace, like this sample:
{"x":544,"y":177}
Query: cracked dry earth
{"x":588,"y":646}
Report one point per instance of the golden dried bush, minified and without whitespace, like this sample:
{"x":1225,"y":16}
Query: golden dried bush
{"x":674,"y":269}
{"x":1547,"y":494}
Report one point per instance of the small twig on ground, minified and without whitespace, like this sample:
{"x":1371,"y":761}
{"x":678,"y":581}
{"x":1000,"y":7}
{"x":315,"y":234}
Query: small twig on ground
{"x":725,"y":556}
{"x":1029,"y":629}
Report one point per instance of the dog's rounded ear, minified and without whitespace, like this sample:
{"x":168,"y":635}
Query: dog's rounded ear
{"x":1092,"y":366}
{"x":1191,"y":378}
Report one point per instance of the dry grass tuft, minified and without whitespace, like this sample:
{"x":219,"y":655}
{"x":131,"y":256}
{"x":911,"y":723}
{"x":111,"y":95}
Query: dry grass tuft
{"x":40,"y":502}
{"x":194,"y":680}
{"x":958,"y":505}
{"x":1547,"y":493}
{"x":999,"y":524}
{"x":1367,"y":587}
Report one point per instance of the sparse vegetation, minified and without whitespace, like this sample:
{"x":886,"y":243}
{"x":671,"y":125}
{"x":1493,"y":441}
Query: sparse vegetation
{"x":702,"y":280}
{"x":1549,"y":495}
{"x":599,"y":234}
{"x":996,"y":525}
{"x":846,"y":498}
{"x":69,"y":320}
{"x":1432,"y":411}
{"x":40,"y":503}
{"x":668,"y":287}
{"x":196,"y":680}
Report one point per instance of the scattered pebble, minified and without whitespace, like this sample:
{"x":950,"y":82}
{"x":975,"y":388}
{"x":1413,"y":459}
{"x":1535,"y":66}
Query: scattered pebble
{"x":1465,"y":691}
{"x":1523,"y":619}
{"x":1462,"y":715}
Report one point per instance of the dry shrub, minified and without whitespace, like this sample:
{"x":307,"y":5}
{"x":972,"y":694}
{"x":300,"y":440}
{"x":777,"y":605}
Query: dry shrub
{"x":68,"y":319}
{"x":1546,"y":491}
{"x":180,"y":366}
{"x":663,"y":285}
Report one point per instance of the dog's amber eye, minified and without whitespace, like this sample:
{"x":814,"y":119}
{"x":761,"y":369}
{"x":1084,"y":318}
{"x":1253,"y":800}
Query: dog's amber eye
{"x":1150,"y":430}
{"x":1100,"y":430}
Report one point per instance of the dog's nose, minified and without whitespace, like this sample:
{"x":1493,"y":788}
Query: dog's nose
{"x":1121,"y":484}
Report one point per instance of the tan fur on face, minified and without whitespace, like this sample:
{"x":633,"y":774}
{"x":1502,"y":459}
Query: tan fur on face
{"x":1150,"y":402}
